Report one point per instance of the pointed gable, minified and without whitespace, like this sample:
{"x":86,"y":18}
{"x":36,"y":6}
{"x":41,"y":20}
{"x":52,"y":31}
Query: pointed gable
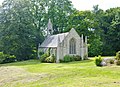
{"x":73,"y":31}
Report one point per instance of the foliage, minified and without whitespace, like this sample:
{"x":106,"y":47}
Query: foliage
{"x":77,"y":58}
{"x":2,"y":57}
{"x":61,"y":60}
{"x":111,"y":29}
{"x":50,"y":59}
{"x":85,"y":57}
{"x":9,"y":59}
{"x":72,"y":58}
{"x":48,"y":51}
{"x":6,"y":58}
{"x":118,"y":62}
{"x":118,"y":55}
{"x":118,"y":58}
{"x":43,"y":57}
{"x":111,"y":61}
{"x":95,"y":47}
{"x":46,"y":57}
{"x":67,"y":58}
{"x":41,"y":53}
{"x":98,"y":61}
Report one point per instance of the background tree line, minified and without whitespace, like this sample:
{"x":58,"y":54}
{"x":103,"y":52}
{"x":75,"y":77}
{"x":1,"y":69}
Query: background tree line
{"x":23,"y":25}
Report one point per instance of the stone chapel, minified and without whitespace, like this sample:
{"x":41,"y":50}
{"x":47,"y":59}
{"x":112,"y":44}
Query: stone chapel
{"x":69,"y":43}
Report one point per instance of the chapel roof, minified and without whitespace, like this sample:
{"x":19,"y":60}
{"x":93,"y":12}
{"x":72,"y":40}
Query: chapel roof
{"x":53,"y":40}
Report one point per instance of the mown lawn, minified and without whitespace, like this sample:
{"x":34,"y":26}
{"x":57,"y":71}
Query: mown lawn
{"x":32,"y":73}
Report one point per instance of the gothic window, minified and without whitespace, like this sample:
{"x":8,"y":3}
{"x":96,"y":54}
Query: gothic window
{"x":72,"y":46}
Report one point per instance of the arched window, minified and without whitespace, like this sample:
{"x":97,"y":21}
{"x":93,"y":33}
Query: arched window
{"x":72,"y":46}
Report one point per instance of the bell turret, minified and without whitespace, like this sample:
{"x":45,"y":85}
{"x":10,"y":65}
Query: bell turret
{"x":49,"y":28}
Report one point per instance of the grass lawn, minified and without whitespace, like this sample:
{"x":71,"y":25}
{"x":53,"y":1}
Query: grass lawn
{"x":32,"y":73}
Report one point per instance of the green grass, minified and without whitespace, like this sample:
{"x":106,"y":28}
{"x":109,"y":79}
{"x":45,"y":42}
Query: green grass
{"x":73,"y":74}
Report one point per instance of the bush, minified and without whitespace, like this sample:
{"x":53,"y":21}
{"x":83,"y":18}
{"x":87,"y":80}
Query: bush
{"x":41,"y":53}
{"x":43,"y":57}
{"x":9,"y":59}
{"x":118,"y":55}
{"x":61,"y":60}
{"x":48,"y":51}
{"x":50,"y":59}
{"x":6,"y":58}
{"x":67,"y":58}
{"x":72,"y":58}
{"x":85,"y":57}
{"x":118,"y":58}
{"x":111,"y":61}
{"x":77,"y":58}
{"x":118,"y":62}
{"x":2,"y":57}
{"x":98,"y":61}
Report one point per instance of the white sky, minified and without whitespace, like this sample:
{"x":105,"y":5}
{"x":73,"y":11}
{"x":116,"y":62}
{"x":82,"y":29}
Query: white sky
{"x":1,"y":1}
{"x":88,"y":4}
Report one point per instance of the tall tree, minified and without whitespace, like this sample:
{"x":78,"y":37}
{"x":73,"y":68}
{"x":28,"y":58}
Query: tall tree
{"x":111,"y":31}
{"x":59,"y":11}
{"x":16,"y":32}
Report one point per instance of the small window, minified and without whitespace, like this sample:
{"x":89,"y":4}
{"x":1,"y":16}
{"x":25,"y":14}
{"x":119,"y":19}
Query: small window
{"x":72,"y":46}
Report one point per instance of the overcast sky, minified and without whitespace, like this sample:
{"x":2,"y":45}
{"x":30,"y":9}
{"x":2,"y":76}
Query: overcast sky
{"x":88,"y":4}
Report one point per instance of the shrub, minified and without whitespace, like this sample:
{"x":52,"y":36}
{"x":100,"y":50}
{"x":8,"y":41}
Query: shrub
{"x":2,"y":57}
{"x":6,"y":58}
{"x":77,"y":58}
{"x":118,"y":62}
{"x":72,"y":58}
{"x":61,"y":60}
{"x":50,"y":59}
{"x":48,"y":51}
{"x":98,"y":61}
{"x":118,"y":58}
{"x":67,"y":58}
{"x":111,"y":61}
{"x":43,"y":57}
{"x":118,"y":55}
{"x":9,"y":59}
{"x":85,"y":57}
{"x":41,"y":53}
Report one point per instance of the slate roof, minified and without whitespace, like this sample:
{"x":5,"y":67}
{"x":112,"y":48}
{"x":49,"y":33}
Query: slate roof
{"x":52,"y":41}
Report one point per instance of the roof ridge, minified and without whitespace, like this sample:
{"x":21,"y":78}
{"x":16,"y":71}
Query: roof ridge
{"x":60,"y":33}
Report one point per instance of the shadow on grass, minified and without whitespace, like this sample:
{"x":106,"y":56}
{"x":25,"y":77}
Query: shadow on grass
{"x":22,"y":63}
{"x":33,"y":62}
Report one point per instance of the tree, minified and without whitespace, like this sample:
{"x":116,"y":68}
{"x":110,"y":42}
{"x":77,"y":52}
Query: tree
{"x":114,"y":34}
{"x":18,"y":30}
{"x":111,"y":31}
{"x":58,"y":12}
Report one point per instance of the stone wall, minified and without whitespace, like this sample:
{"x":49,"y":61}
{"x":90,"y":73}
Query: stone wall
{"x":64,"y":46}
